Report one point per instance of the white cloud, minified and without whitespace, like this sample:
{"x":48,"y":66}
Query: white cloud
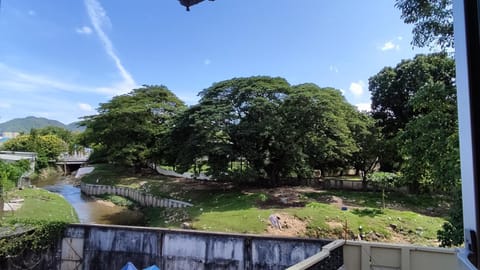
{"x":356,"y":88}
{"x":364,"y":106}
{"x":342,"y":91}
{"x":85,"y":107}
{"x":21,"y":81}
{"x":399,"y":37}
{"x":27,"y":82}
{"x":84,"y":30}
{"x":207,"y":62}
{"x":99,"y":19}
{"x":333,"y":68}
{"x":389,"y":45}
{"x":13,"y":79}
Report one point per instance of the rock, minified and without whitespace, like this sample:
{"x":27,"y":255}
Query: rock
{"x":186,"y":226}
{"x":371,"y":236}
{"x":393,"y":226}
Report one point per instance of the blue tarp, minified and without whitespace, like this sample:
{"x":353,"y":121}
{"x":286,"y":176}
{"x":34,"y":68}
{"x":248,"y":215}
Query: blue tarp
{"x":129,"y":266}
{"x":153,"y":267}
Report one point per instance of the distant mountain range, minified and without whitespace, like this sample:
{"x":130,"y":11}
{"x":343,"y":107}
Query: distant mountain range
{"x":27,"y":123}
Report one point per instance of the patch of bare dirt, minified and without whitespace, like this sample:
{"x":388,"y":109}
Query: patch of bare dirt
{"x":104,"y":202}
{"x":290,"y":226}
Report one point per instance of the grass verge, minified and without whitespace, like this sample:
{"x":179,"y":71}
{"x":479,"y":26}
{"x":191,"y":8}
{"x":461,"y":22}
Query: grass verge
{"x":42,"y":205}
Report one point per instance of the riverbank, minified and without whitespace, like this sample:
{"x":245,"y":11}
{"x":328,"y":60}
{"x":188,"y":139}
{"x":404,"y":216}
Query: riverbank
{"x":304,"y":211}
{"x":40,"y":204}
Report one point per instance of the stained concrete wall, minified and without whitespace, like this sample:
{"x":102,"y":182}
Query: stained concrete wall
{"x":138,"y":196}
{"x":110,"y":247}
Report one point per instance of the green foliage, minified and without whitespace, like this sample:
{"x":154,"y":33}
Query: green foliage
{"x":38,"y":235}
{"x":278,"y":130}
{"x":392,"y":88}
{"x":430,"y":141}
{"x":385,"y":181}
{"x":320,"y":121}
{"x":392,"y":91}
{"x":48,"y":147}
{"x":369,"y":140}
{"x":451,"y":233}
{"x":118,"y":200}
{"x":10,"y":173}
{"x":130,"y":129}
{"x":432,"y":20}
{"x":70,"y":137}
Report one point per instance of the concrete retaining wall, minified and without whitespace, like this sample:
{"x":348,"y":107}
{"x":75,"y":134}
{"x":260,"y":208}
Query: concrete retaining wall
{"x":353,"y":185}
{"x":140,"y":197}
{"x":367,"y":255}
{"x":92,"y":247}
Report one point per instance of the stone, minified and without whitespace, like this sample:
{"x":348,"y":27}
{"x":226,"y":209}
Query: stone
{"x":186,"y":226}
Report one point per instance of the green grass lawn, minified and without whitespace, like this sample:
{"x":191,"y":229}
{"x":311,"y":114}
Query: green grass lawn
{"x":245,"y":211}
{"x":235,"y":211}
{"x":43,"y":205}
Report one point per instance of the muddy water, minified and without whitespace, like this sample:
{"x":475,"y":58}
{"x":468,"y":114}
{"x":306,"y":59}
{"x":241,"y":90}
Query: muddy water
{"x":90,"y":210}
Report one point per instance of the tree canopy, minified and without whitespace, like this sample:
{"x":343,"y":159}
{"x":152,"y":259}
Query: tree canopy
{"x":130,"y":129}
{"x":432,"y":20}
{"x":392,"y":90}
{"x":48,"y":147}
{"x":279,"y":130}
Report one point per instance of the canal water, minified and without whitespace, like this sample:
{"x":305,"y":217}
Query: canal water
{"x":90,"y":210}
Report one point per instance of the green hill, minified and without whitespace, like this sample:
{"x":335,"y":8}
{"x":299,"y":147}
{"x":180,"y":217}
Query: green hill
{"x":27,"y":123}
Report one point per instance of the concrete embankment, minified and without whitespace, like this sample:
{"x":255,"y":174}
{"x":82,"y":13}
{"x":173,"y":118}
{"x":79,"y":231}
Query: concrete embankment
{"x":92,"y":247}
{"x":144,"y":199}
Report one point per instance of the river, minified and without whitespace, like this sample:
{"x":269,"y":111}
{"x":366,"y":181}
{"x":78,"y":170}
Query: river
{"x":90,"y":210}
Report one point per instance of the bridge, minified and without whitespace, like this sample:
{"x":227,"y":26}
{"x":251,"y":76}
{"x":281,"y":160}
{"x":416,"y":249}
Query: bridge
{"x":72,"y":162}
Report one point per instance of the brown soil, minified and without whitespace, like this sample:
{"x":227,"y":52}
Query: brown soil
{"x":291,"y":226}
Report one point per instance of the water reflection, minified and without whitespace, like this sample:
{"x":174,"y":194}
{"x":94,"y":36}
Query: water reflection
{"x":90,"y":210}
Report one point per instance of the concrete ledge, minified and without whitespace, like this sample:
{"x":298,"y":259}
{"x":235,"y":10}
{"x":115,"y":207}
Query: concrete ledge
{"x":317,"y":258}
{"x":109,"y":247}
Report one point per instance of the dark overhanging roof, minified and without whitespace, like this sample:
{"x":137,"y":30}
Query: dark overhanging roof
{"x":189,"y":3}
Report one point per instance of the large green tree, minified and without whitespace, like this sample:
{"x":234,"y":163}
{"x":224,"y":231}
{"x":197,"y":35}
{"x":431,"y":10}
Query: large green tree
{"x":235,"y":118}
{"x":430,"y":147}
{"x":433,"y":26}
{"x":392,"y":90}
{"x":432,"y":20}
{"x":279,"y":130}
{"x":369,"y":141}
{"x":130,"y":129}
{"x":320,"y":122}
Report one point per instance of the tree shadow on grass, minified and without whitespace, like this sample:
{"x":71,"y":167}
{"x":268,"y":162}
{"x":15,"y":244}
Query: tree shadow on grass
{"x":371,"y":212}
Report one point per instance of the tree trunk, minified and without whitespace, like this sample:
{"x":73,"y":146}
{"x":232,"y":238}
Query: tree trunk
{"x":364,"y":181}
{"x":1,"y":203}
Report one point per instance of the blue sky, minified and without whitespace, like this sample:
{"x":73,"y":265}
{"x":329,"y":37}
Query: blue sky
{"x":59,"y":59}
